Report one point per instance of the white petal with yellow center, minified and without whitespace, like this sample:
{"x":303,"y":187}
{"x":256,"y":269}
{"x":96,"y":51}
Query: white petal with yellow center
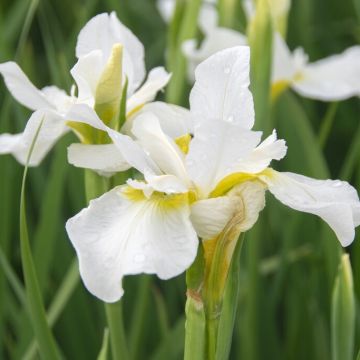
{"x":117,"y":235}
{"x":217,"y":150}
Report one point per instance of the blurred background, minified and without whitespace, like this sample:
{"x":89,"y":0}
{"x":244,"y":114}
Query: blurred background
{"x":289,"y":260}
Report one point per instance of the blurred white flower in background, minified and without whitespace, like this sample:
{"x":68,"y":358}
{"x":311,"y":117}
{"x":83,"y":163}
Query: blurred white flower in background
{"x":333,"y":78}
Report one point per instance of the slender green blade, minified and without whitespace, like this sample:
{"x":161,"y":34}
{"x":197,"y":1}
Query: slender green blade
{"x":103,"y":355}
{"x":229,"y":307}
{"x":47,"y":345}
{"x":61,"y":298}
{"x":343,"y":313}
{"x":260,"y":35}
{"x":175,"y":89}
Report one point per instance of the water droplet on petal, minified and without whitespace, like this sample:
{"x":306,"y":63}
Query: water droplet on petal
{"x":336,"y":183}
{"x":230,"y":119}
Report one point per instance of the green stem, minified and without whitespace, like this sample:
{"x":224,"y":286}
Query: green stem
{"x":195,"y":324}
{"x":114,"y":316}
{"x":141,"y":307}
{"x":227,"y":12}
{"x":327,"y":123}
{"x":215,"y":284}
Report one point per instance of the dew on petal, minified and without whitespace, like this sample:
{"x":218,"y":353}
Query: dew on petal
{"x":337,"y":183}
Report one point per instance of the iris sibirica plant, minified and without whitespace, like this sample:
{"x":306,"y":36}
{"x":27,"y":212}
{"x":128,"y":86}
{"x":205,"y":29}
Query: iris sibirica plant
{"x":170,"y":189}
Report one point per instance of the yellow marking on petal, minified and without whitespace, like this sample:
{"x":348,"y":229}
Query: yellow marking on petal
{"x":134,"y":111}
{"x":166,"y":201}
{"x":132,"y":194}
{"x":299,"y":76}
{"x":278,"y":88}
{"x":228,"y":182}
{"x":183,"y":142}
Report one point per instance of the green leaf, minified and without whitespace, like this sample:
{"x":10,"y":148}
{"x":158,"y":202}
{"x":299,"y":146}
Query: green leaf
{"x":47,"y":346}
{"x":114,"y":315}
{"x":172,"y":346}
{"x":61,"y":298}
{"x":103,"y":355}
{"x":343,"y":313}
{"x":141,"y":307}
{"x":227,"y":12}
{"x":260,"y":37}
{"x":51,"y":221}
{"x":229,"y":306}
{"x":175,"y":89}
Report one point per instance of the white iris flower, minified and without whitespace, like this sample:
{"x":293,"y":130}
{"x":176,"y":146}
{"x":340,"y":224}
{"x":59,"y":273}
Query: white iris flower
{"x":105,"y":49}
{"x":153,"y":225}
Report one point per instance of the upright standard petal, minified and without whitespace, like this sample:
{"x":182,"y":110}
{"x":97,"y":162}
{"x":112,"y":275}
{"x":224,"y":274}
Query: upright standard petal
{"x":124,"y":234}
{"x":217,"y":150}
{"x":335,"y":201}
{"x":160,"y":147}
{"x":86,"y":73}
{"x":260,"y":158}
{"x":333,"y":78}
{"x":156,"y":81}
{"x":105,"y":30}
{"x":53,"y":127}
{"x":221,"y":88}
{"x":22,"y":89}
{"x":174,"y":120}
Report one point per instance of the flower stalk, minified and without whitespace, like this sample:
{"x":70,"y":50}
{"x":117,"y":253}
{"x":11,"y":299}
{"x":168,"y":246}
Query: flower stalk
{"x":207,"y":279}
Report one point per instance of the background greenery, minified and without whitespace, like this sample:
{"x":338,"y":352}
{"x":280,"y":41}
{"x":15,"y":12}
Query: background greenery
{"x":289,"y":260}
